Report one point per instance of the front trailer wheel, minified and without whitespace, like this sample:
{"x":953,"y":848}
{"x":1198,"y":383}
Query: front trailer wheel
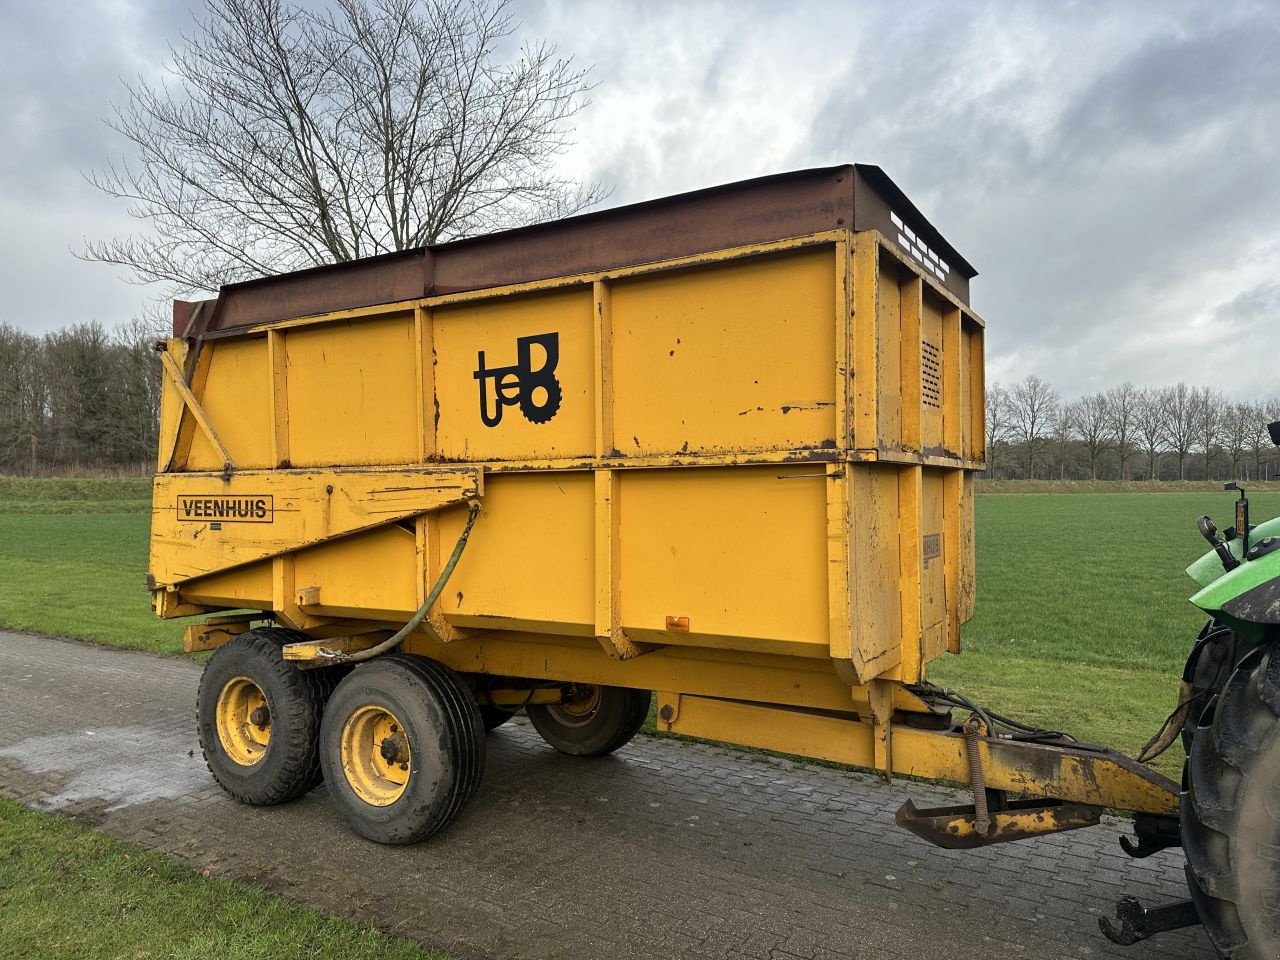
{"x":1231,"y":812}
{"x":258,"y":718}
{"x":402,"y":747}
{"x":494,"y":717}
{"x":591,"y":720}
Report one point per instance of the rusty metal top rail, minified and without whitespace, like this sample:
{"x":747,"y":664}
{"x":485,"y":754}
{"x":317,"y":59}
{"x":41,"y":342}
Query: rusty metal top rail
{"x":853,"y":196}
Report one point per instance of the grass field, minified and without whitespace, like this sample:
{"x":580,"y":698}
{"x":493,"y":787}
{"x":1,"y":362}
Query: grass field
{"x":1082,"y":622}
{"x":73,"y":561}
{"x":67,"y":892}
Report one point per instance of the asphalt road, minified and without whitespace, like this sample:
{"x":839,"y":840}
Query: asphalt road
{"x":666,"y":849}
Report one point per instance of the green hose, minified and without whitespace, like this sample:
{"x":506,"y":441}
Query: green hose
{"x":415,"y":621}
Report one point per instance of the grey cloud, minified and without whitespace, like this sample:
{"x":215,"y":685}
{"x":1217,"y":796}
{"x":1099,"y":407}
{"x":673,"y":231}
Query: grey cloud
{"x":60,"y":67}
{"x":1100,"y":187}
{"x":1108,"y":167}
{"x":1175,"y":84}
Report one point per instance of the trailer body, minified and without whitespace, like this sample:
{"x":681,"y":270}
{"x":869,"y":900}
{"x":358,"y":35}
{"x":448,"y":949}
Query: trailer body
{"x":723,"y":448}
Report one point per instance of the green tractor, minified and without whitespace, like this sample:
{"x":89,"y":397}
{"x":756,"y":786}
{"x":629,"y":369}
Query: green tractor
{"x":1229,"y":721}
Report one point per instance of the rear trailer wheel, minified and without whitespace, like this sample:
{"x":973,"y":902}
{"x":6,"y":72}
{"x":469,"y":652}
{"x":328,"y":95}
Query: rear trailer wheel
{"x":591,"y":720}
{"x":1231,"y":813}
{"x":258,"y":718}
{"x":402,"y":747}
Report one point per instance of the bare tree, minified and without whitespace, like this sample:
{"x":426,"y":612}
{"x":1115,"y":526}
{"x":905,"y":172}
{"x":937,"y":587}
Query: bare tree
{"x":1062,"y":433}
{"x":1237,"y":428}
{"x":1149,"y":422}
{"x":1122,"y":410}
{"x":1092,"y":422}
{"x":295,"y":138}
{"x":1261,"y":448}
{"x":1035,"y":406}
{"x":23,"y":395}
{"x":999,"y":422}
{"x":1208,"y":410}
{"x":134,"y":428}
{"x":1178,"y":406}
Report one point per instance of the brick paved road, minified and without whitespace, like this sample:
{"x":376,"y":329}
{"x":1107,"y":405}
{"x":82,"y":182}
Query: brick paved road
{"x":666,"y":849}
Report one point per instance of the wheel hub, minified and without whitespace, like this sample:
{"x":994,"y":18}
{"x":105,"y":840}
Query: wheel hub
{"x":243,"y":721}
{"x":580,"y":700}
{"x":376,"y":756}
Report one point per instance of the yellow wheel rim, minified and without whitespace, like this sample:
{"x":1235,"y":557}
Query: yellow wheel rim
{"x":243,"y":720}
{"x":375,"y":755}
{"x":581,"y":700}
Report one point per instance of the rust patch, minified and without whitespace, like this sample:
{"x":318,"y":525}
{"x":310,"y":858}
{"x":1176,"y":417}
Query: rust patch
{"x":686,"y":226}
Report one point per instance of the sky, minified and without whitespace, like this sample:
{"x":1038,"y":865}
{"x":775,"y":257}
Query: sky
{"x":1108,"y":168}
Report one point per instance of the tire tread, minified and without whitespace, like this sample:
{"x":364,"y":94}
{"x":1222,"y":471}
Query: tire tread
{"x":1232,"y":735}
{"x":305,"y":693}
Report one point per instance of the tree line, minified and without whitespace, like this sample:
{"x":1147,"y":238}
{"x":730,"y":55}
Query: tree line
{"x":78,"y":399}
{"x":85,"y":398}
{"x":1176,"y":432}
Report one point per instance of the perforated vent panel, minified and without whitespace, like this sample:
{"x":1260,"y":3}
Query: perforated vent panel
{"x":930,"y":376}
{"x":909,"y":242}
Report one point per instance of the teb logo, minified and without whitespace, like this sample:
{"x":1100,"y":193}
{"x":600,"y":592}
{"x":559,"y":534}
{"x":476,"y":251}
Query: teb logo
{"x":535,"y":389}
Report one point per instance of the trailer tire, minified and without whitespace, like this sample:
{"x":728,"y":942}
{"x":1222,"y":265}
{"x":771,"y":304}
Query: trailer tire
{"x":268,"y":762}
{"x":593,"y":720}
{"x":402,"y":747}
{"x":1231,"y":812}
{"x":494,"y":717}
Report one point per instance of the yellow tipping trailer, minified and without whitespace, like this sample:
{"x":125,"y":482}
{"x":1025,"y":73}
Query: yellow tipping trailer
{"x":717,"y":447}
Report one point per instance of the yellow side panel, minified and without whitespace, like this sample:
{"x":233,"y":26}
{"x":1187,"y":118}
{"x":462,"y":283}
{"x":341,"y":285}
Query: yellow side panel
{"x":247,"y":587}
{"x":967,"y":560}
{"x":352,"y":391}
{"x":875,"y":620}
{"x":237,"y":400}
{"x":171,"y":407}
{"x":344,"y":572}
{"x":531,"y":555}
{"x":932,"y":363}
{"x":735,"y":552}
{"x":976,"y":434}
{"x":933,"y":559}
{"x":889,"y":349}
{"x":540,"y":329}
{"x":731,"y":358}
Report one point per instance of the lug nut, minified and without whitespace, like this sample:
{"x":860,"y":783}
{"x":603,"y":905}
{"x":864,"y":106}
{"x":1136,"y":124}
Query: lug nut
{"x":260,"y":717}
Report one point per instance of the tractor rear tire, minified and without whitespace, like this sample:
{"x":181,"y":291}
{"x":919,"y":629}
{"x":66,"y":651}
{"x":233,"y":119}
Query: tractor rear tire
{"x":258,"y":718}
{"x":402,"y":747}
{"x":1231,"y":812}
{"x":1212,"y":667}
{"x":592,"y":720}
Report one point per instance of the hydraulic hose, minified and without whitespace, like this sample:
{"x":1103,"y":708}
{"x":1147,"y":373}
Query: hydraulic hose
{"x":416,"y":620}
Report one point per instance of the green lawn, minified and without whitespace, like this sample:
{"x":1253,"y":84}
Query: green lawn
{"x":68,"y":892}
{"x":81,"y":574}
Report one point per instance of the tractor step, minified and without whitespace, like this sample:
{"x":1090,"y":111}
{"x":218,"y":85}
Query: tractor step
{"x":955,"y":828}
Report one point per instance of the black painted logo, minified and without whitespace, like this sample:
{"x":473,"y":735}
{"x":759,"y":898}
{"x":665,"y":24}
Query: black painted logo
{"x":535,"y":389}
